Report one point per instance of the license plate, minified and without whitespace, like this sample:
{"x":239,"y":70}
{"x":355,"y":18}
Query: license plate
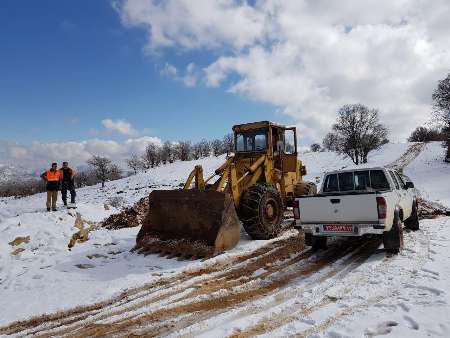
{"x":338,"y":227}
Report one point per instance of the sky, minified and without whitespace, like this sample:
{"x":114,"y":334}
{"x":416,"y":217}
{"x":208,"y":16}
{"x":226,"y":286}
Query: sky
{"x":106,"y":77}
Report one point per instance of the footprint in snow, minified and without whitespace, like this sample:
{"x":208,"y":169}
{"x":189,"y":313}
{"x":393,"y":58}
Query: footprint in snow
{"x":85,"y":266}
{"x":431,"y":271}
{"x":381,"y":329}
{"x":404,"y":307}
{"x":412,"y":324}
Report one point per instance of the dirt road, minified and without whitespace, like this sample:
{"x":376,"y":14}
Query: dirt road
{"x":240,"y":295}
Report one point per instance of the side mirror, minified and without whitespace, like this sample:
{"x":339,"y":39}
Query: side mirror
{"x":409,"y":185}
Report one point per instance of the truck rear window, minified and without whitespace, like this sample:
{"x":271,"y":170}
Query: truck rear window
{"x":356,"y":181}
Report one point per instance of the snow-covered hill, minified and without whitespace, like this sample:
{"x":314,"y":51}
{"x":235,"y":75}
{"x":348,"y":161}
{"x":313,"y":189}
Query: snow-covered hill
{"x":46,"y":277}
{"x":10,"y":172}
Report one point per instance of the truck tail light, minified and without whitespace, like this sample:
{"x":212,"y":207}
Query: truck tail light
{"x":382,"y":207}
{"x":296,"y":209}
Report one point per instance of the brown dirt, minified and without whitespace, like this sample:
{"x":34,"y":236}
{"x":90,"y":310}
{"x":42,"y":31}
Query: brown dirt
{"x":19,"y":240}
{"x":162,"y":307}
{"x":129,"y":217}
{"x":429,"y":209}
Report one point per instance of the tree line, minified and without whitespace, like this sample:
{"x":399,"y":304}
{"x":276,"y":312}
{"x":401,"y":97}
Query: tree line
{"x":155,"y":155}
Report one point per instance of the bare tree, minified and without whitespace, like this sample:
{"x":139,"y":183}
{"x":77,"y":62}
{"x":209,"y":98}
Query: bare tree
{"x":18,"y":186}
{"x":358,"y":131}
{"x":115,"y":172}
{"x":217,"y":147}
{"x":196,"y":151}
{"x":441,"y":109}
{"x":315,"y":147}
{"x":228,"y":143}
{"x":184,"y":150}
{"x":331,"y":142}
{"x":135,"y":163}
{"x":150,"y":157}
{"x":86,"y":178}
{"x":101,"y":167}
{"x":423,"y":134}
{"x":205,"y":148}
{"x":167,"y":152}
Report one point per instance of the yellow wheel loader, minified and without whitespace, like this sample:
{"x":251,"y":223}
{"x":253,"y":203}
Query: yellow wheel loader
{"x":254,"y":186}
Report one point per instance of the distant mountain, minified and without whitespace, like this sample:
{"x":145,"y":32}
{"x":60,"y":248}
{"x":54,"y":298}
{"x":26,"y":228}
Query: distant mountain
{"x":10,"y":172}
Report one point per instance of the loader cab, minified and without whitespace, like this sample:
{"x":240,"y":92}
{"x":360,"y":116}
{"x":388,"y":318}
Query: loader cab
{"x":277,"y":141}
{"x":265,"y":136}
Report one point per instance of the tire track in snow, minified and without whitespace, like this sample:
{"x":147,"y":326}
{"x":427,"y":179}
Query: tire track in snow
{"x":277,"y":249}
{"x":408,"y":156}
{"x":164,"y":306}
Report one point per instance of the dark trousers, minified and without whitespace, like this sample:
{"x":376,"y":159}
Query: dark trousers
{"x":70,"y":187}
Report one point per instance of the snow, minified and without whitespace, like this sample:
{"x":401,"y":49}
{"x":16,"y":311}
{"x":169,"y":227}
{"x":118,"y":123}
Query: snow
{"x":430,"y":174}
{"x":405,"y":295}
{"x":47,"y":268}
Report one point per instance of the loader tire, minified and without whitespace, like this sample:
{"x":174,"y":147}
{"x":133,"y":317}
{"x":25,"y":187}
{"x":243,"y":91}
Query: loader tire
{"x":412,"y":223}
{"x":261,"y":211}
{"x":393,"y":239}
{"x":305,"y":189}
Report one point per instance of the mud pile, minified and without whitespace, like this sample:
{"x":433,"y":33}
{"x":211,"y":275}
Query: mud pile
{"x":429,"y":209}
{"x":129,"y":217}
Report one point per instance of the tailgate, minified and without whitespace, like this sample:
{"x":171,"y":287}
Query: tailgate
{"x":339,"y":208}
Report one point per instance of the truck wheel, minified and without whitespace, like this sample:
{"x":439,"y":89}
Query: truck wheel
{"x":393,"y":239}
{"x":261,"y":211}
{"x":412,"y":223}
{"x":305,"y":189}
{"x":317,"y":242}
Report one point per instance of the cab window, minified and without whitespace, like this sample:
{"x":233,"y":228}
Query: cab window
{"x":378,"y":180}
{"x":346,"y":182}
{"x":289,"y":142}
{"x":253,"y":140}
{"x":362,"y":181}
{"x":400,"y":181}
{"x":394,"y":179}
{"x":331,"y":183}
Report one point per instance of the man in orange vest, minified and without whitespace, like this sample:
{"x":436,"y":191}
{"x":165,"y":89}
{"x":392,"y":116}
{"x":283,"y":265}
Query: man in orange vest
{"x":53,"y":178}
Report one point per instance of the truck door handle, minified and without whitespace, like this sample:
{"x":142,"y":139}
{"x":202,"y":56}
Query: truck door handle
{"x":335,"y":200}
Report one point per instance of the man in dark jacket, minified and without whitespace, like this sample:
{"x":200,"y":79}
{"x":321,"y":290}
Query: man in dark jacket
{"x":53,"y":178}
{"x":68,"y":183}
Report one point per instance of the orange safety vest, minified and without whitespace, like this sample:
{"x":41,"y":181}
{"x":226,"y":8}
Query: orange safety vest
{"x":53,"y":175}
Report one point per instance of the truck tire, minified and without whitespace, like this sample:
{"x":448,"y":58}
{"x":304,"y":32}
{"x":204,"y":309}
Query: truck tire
{"x":412,"y":223}
{"x":261,"y":211}
{"x":317,"y":242}
{"x":305,"y":189}
{"x":393,"y":239}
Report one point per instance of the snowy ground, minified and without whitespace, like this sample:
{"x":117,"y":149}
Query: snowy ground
{"x":355,"y":294}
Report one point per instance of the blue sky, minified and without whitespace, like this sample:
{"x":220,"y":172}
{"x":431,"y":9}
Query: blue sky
{"x":67,"y":65}
{"x":106,"y":77}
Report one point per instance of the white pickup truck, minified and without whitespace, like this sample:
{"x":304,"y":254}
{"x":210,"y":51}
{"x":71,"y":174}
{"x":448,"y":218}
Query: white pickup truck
{"x":370,"y":201}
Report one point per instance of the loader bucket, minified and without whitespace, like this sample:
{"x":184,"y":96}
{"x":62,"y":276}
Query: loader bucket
{"x":194,"y":223}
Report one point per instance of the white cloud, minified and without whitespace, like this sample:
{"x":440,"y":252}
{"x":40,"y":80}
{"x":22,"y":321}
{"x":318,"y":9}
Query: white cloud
{"x":189,"y":78}
{"x":39,"y":154}
{"x":119,"y":126}
{"x":309,"y":57}
{"x":169,"y":70}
